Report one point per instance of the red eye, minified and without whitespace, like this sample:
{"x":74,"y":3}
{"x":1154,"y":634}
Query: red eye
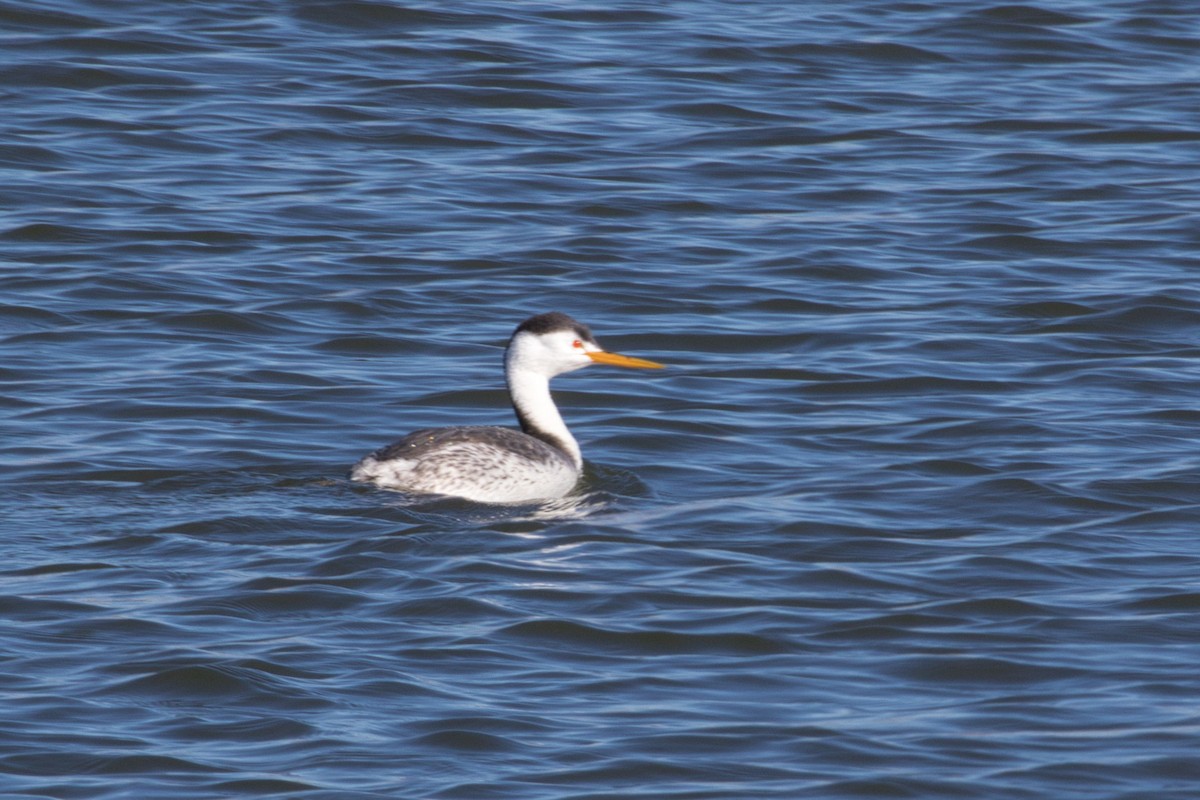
{"x":578,"y":345}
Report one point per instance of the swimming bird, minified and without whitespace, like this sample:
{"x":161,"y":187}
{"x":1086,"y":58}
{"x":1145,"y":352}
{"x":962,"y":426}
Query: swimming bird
{"x":502,"y":465}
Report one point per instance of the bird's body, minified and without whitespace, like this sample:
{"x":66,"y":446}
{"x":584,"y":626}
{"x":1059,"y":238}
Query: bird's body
{"x":484,"y":464}
{"x":502,"y":465}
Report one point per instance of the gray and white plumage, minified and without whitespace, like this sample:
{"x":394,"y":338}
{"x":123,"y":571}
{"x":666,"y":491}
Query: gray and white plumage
{"x":502,"y":465}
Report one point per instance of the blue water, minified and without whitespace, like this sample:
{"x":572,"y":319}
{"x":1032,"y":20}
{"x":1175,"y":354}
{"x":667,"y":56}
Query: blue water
{"x":913,"y":513}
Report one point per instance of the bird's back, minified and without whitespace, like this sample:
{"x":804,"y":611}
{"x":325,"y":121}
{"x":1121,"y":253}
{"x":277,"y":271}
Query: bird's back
{"x":481,"y":463}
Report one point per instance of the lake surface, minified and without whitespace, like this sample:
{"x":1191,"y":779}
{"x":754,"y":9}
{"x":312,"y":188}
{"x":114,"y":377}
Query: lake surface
{"x":913,"y":513}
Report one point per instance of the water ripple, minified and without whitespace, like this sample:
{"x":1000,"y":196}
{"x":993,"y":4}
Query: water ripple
{"x":910,"y":513}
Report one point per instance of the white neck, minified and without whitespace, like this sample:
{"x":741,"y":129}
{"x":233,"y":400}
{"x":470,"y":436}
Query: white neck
{"x":539,"y":417}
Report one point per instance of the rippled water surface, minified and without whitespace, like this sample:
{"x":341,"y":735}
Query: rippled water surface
{"x":914,"y":512}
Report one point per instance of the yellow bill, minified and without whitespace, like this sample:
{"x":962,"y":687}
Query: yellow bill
{"x":618,"y":360}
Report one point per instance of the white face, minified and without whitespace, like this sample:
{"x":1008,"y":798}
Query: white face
{"x":551,"y":353}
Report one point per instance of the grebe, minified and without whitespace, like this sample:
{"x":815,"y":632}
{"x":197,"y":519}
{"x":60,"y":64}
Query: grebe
{"x":502,"y":465}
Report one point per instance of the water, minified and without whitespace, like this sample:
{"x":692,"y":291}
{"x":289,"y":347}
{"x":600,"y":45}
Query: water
{"x":913,"y":512}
